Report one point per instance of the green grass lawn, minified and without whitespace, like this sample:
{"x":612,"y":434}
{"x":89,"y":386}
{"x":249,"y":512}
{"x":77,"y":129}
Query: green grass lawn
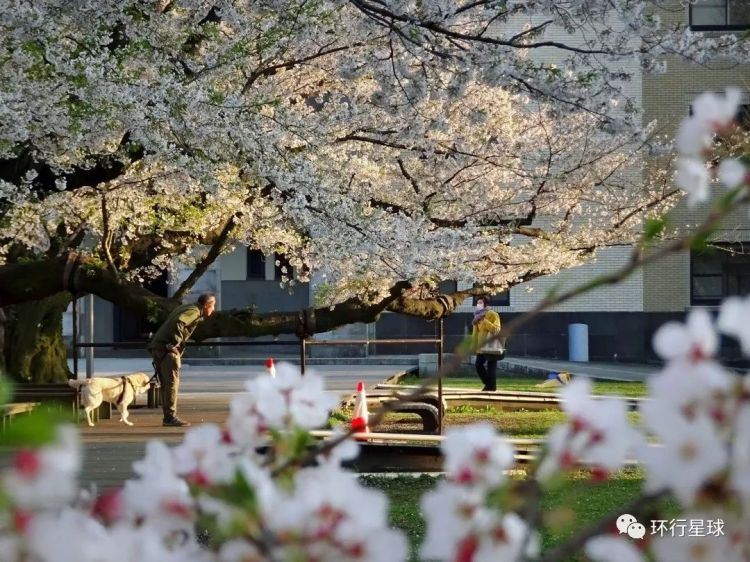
{"x":574,"y":504}
{"x":530,"y":424}
{"x":521,"y":424}
{"x":468,"y":380}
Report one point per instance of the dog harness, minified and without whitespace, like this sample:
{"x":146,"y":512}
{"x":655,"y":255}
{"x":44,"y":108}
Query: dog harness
{"x":125,"y":382}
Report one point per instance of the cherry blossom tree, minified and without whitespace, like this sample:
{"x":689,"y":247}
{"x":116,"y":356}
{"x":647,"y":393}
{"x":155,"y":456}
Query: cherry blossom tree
{"x":294,"y":502}
{"x":385,"y":145}
{"x":280,"y":505}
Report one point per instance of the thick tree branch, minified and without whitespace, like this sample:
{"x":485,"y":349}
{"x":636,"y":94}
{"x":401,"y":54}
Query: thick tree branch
{"x":25,"y":282}
{"x":207,"y":260}
{"x":106,"y":167}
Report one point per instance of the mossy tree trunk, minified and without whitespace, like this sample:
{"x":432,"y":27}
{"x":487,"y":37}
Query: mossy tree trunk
{"x":35,"y":351}
{"x":3,"y":319}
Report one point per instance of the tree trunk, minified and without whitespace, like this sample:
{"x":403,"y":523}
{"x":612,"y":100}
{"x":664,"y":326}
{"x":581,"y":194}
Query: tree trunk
{"x":34,"y":347}
{"x":3,"y":319}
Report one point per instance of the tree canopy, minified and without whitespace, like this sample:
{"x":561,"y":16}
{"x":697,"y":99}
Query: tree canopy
{"x":385,"y":145}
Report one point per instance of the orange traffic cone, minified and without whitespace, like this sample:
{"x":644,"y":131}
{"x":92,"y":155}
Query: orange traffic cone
{"x":270,"y":369}
{"x":361,"y":416}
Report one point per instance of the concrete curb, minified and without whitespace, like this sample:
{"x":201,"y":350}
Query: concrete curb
{"x":375,"y":360}
{"x":393,"y":379}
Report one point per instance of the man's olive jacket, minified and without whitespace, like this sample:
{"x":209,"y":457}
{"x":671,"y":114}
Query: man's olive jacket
{"x":178,"y":327}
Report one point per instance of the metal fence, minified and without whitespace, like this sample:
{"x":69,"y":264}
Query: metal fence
{"x":303,"y":343}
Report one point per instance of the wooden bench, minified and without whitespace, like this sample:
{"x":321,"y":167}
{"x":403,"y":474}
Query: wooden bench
{"x":56,"y":393}
{"x":9,"y":411}
{"x":428,"y":413}
{"x":66,"y":396}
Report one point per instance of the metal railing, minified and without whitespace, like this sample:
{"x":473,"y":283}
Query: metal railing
{"x":302,"y":342}
{"x":437,"y":341}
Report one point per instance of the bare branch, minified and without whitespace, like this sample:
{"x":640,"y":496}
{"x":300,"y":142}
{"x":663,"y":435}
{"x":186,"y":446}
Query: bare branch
{"x":207,"y":260}
{"x":369,"y":8}
{"x":107,"y":236}
{"x":273,"y":69}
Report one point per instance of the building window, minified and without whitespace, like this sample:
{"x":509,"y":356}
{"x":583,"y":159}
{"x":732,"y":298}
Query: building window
{"x":719,"y":273}
{"x":500,"y":299}
{"x":447,"y":287}
{"x":743,"y":117}
{"x":719,"y":15}
{"x":256,"y":264}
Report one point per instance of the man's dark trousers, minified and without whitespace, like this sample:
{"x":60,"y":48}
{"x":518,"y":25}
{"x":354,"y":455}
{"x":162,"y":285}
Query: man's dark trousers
{"x":168,"y":367}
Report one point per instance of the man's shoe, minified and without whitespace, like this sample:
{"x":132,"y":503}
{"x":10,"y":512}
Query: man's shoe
{"x":175,"y":422}
{"x":485,"y":389}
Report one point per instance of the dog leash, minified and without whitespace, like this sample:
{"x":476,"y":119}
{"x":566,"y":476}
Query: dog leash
{"x":125,"y":382}
{"x":156,"y":364}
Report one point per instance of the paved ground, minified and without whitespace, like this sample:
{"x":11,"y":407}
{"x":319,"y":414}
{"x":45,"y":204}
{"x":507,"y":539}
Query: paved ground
{"x":613,"y":371}
{"x":111,"y":447}
{"x":220,"y":380}
{"x":208,"y":377}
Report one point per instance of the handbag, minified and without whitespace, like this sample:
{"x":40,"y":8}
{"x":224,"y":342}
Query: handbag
{"x":493,"y":347}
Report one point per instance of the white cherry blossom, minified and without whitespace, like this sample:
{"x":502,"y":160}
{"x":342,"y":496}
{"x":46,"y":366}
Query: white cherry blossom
{"x":598,"y":433}
{"x":460,"y":527}
{"x":373,"y":160}
{"x":732,"y":172}
{"x":687,"y":457}
{"x":733,"y":320}
{"x":335,"y":517}
{"x":740,"y":455}
{"x":692,"y":176}
{"x":476,"y":455}
{"x":694,"y":340}
{"x":47,"y":476}
{"x":204,"y":456}
{"x":682,"y":385}
{"x":716,"y":111}
{"x":693,"y":138}
{"x":694,"y":548}
{"x":606,"y":548}
{"x":283,"y":402}
{"x":159,"y":496}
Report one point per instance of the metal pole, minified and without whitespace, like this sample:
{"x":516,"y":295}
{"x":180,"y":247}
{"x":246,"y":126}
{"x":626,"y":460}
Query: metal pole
{"x":89,"y":335}
{"x":75,"y":336}
{"x":441,"y":335}
{"x":302,"y":353}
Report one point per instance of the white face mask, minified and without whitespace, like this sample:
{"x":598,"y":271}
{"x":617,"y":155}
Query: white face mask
{"x":480,"y":306}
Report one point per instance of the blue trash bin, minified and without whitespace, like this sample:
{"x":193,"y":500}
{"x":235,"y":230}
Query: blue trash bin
{"x":578,"y":342}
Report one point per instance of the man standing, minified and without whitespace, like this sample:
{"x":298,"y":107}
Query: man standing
{"x":167,"y":346}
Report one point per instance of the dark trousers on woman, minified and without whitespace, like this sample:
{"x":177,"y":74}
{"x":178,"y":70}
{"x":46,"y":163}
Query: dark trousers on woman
{"x":487,"y":370}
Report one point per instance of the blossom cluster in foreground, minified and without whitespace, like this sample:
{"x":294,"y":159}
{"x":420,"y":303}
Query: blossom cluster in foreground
{"x":247,"y":492}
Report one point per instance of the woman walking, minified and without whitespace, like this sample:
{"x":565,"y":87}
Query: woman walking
{"x":486,"y":324}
